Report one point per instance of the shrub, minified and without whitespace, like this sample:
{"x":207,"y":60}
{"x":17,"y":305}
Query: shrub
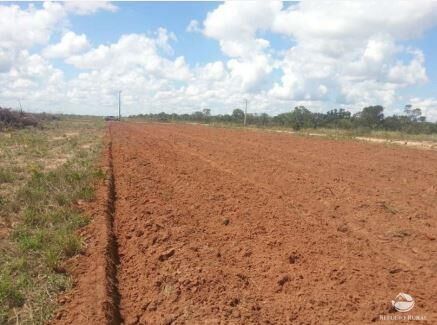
{"x":10,"y":118}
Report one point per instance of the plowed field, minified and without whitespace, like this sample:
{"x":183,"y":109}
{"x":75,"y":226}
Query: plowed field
{"x":225,"y":226}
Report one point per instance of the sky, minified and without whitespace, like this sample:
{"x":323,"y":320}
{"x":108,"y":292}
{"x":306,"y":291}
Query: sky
{"x":74,"y":57}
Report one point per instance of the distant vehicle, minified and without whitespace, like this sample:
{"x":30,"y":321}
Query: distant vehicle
{"x":111,"y":118}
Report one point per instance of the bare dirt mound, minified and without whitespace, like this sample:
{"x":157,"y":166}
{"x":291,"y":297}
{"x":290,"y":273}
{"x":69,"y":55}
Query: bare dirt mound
{"x":229,"y":226}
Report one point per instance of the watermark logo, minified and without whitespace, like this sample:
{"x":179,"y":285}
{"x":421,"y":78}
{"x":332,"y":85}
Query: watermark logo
{"x":403,"y":302}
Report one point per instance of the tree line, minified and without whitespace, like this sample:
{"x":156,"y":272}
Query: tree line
{"x":369,"y":118}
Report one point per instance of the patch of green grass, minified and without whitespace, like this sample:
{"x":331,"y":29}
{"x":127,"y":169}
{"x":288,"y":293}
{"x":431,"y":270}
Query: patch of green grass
{"x":10,"y":293}
{"x":12,"y":287}
{"x":6,"y":175}
{"x":41,"y":194}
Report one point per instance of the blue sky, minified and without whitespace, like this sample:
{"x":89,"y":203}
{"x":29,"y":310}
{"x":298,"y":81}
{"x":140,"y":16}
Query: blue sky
{"x":146,"y":17}
{"x":183,"y":56}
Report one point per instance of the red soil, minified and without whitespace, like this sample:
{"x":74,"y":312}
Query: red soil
{"x":230,"y":226}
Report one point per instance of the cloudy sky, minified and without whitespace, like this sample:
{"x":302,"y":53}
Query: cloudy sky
{"x":180,"y":57}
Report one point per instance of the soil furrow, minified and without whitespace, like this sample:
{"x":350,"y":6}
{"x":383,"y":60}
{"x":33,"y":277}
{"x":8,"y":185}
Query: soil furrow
{"x":113,"y":244}
{"x":95,"y":297}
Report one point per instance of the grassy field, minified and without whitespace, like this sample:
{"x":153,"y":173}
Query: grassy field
{"x":44,"y":172}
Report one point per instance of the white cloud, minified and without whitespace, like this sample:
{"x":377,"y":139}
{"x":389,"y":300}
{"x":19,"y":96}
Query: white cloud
{"x":337,"y":45}
{"x":69,"y":45}
{"x":23,"y":28}
{"x":6,"y":59}
{"x":163,"y":39}
{"x":427,"y":105}
{"x":250,"y":72}
{"x":357,"y":95}
{"x":235,"y":24}
{"x":86,"y":7}
{"x":349,"y":52}
{"x":355,"y":20}
{"x":33,"y":80}
{"x":350,"y":48}
{"x":134,"y":51}
{"x":193,"y":27}
{"x":409,"y":74}
{"x":133,"y":64}
{"x":213,"y":71}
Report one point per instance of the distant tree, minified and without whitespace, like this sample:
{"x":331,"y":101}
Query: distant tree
{"x":407,"y":109}
{"x":371,"y":116}
{"x":301,"y":117}
{"x":283,"y":119}
{"x":174,"y":117}
{"x":414,"y":114}
{"x":336,"y":118}
{"x":198,"y":116}
{"x":164,"y":117}
{"x":396,"y":123}
{"x":264,"y":119}
{"x":238,"y":114}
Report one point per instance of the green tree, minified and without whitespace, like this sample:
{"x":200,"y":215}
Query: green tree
{"x":371,"y":116}
{"x":414,"y":114}
{"x":198,"y":116}
{"x":264,"y":119}
{"x":206,"y":111}
{"x":238,"y":115}
{"x":301,"y":117}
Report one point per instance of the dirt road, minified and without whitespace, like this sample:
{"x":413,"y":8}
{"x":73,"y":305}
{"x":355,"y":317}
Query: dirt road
{"x":215,"y":225}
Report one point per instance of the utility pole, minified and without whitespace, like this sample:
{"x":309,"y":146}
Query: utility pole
{"x":119,"y":105}
{"x":245,"y":112}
